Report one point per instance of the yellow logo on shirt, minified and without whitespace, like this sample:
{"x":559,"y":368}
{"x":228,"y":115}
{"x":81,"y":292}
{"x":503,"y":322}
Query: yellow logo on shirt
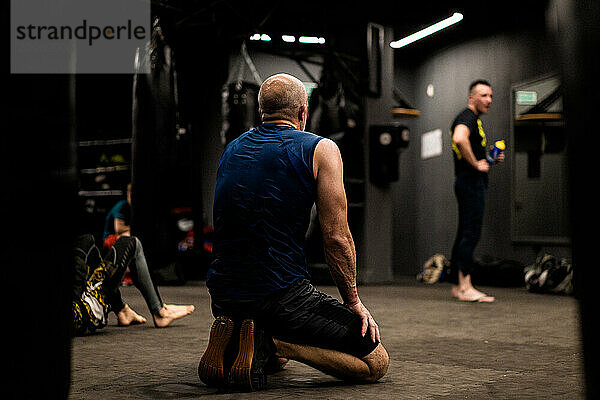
{"x":481,"y":132}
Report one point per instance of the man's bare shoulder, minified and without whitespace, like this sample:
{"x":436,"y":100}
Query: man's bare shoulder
{"x":326,"y":155}
{"x":327,"y":147}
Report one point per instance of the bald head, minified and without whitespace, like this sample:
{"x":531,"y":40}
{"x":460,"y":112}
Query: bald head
{"x":282,"y":97}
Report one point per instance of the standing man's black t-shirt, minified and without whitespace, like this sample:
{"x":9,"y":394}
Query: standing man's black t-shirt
{"x":477,"y":139}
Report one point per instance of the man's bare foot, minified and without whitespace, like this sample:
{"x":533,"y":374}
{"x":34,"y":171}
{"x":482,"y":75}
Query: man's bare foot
{"x":127,"y":317}
{"x":276,"y":364}
{"x":281,"y":363}
{"x":454,"y":291}
{"x":170,"y":313}
{"x":465,"y":291}
{"x":472,"y":295}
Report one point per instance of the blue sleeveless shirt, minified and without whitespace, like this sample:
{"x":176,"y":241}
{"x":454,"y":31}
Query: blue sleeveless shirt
{"x":263,"y":197}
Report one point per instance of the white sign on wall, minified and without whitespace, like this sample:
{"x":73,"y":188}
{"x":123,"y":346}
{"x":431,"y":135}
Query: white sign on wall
{"x":431,"y":144}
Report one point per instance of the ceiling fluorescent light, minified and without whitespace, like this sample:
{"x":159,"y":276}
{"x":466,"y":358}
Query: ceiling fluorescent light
{"x":456,"y":17}
{"x":264,"y":37}
{"x":288,"y":38}
{"x":311,"y":39}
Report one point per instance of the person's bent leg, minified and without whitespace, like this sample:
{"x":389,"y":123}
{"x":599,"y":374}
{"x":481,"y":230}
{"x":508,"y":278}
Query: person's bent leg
{"x":162,"y":314}
{"x":140,"y":274}
{"x":116,"y":261}
{"x":316,"y":329}
{"x":367,"y":369}
{"x":83,"y":249}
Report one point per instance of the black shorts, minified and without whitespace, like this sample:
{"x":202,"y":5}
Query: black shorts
{"x":303,"y":315}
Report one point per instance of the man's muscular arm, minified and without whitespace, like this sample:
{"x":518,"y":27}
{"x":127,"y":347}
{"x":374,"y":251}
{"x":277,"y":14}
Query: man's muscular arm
{"x":461,"y":138}
{"x":340,"y":252}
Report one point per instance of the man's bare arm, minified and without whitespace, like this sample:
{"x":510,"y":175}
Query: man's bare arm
{"x":340,"y":253}
{"x":461,"y":138}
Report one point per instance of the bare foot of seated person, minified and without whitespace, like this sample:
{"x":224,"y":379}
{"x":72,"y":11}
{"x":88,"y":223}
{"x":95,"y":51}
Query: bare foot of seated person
{"x":127,"y":317}
{"x":170,"y":313}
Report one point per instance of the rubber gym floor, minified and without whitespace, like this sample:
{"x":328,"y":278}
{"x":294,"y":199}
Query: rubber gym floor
{"x":523,"y":346}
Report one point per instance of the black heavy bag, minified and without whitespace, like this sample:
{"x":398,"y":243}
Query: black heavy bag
{"x":240,"y":109}
{"x":154,"y":126}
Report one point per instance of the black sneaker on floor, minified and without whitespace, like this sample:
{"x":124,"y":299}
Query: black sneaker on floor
{"x":213,"y":369}
{"x":248,"y":369}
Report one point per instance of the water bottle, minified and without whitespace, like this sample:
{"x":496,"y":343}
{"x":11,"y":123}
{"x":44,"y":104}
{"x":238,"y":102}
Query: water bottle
{"x":498,"y":148}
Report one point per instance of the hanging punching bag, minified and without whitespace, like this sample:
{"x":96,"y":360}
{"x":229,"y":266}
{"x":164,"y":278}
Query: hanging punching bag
{"x":154,"y":127}
{"x":240,"y":109}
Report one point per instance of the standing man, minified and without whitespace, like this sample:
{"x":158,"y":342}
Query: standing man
{"x":265,"y":307}
{"x":471,"y":183}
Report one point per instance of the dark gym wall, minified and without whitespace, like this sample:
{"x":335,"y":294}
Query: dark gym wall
{"x":422,"y":201}
{"x":425,"y":208}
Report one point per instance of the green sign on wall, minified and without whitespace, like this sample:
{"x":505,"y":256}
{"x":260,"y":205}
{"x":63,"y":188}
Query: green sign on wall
{"x":526,"y":98}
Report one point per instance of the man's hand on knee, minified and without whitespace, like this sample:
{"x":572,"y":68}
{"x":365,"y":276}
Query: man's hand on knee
{"x":368,"y":322}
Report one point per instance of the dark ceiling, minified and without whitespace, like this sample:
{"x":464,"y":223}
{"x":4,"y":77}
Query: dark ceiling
{"x":204,"y":28}
{"x":230,"y":19}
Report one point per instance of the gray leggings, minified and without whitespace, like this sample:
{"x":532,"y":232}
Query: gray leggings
{"x":121,"y":256}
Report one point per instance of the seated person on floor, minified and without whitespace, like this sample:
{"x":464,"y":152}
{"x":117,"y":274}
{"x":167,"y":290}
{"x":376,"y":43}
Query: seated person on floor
{"x":117,"y":220}
{"x":266,"y":310}
{"x":96,"y":286}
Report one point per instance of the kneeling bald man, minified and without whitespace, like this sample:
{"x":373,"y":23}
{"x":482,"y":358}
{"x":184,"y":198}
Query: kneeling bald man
{"x":266,"y":310}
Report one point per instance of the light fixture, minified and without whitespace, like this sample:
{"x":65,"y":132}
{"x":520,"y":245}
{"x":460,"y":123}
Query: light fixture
{"x":264,"y":37}
{"x":289,"y":38}
{"x":311,"y":39}
{"x":456,"y":17}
